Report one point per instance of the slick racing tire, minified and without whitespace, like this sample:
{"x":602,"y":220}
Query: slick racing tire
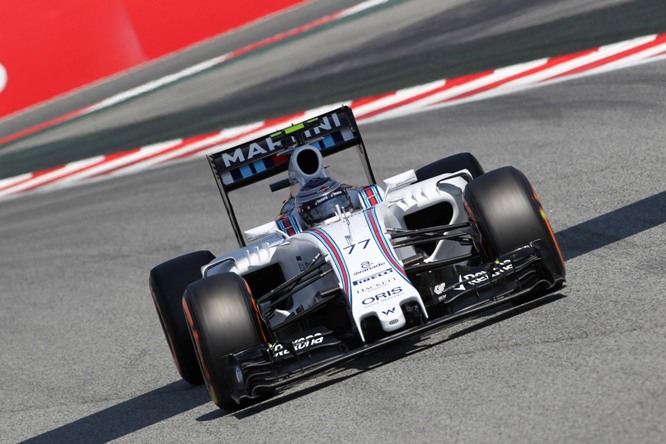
{"x":507,"y":213}
{"x":450,"y":164}
{"x":167,"y":285}
{"x":222,"y":319}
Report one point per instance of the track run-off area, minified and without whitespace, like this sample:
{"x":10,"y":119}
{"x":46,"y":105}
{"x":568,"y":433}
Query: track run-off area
{"x":84,"y":358}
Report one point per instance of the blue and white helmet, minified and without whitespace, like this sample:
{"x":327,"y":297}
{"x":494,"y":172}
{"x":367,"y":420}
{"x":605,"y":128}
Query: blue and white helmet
{"x":317,"y":200}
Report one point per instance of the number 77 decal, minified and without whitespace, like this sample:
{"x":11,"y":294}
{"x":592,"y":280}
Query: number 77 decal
{"x":353,"y":246}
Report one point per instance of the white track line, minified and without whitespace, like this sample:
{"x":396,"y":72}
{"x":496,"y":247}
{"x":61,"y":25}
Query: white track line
{"x":215,"y":61}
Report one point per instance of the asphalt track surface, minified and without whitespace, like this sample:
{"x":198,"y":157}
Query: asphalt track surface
{"x":83,"y":357}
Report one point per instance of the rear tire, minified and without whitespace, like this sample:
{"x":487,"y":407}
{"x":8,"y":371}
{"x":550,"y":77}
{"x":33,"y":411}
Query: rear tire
{"x":222,"y":319}
{"x":167,"y":284}
{"x":450,"y":164}
{"x":508,"y":214}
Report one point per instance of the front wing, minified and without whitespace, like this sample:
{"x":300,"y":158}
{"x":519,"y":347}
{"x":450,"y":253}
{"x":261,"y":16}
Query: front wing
{"x":262,"y":370}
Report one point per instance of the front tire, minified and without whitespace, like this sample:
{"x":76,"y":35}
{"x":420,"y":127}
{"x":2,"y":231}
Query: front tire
{"x":167,"y":284}
{"x":450,"y":164}
{"x":508,"y":215}
{"x":222,"y":319}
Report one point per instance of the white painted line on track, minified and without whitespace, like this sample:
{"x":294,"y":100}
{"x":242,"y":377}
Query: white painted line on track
{"x":11,"y":181}
{"x":382,"y":105}
{"x":156,"y":84}
{"x":361,"y":7}
{"x":473,"y":86}
{"x":48,"y":177}
{"x":122,"y":161}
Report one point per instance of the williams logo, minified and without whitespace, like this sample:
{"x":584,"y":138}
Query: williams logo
{"x":382,"y":296}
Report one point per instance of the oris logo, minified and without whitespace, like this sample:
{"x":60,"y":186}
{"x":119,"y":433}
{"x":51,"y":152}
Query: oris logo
{"x":3,"y":77}
{"x":382,"y":296}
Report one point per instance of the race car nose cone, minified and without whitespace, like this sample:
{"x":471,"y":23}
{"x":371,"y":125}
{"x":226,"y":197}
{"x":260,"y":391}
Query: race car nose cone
{"x":391,"y":318}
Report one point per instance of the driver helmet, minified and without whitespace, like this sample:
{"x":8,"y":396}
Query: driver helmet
{"x":318,"y":198}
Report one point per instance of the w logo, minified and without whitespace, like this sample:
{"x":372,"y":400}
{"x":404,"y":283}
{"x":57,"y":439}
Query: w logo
{"x":389,"y":311}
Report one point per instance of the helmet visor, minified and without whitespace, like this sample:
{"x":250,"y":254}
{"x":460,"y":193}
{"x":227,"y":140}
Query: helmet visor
{"x":325,"y":207}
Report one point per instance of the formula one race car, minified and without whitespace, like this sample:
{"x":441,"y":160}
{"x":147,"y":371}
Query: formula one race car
{"x":346,"y":269}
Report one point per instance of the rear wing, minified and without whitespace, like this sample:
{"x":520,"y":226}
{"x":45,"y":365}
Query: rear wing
{"x":267,"y":156}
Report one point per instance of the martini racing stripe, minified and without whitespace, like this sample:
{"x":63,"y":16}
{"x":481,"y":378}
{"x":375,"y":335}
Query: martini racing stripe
{"x":338,"y":260}
{"x":289,"y":225}
{"x":257,"y":167}
{"x":370,"y":196}
{"x":378,"y":236}
{"x":334,"y":138}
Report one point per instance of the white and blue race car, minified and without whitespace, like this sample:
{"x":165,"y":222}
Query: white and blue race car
{"x":345,"y":269}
